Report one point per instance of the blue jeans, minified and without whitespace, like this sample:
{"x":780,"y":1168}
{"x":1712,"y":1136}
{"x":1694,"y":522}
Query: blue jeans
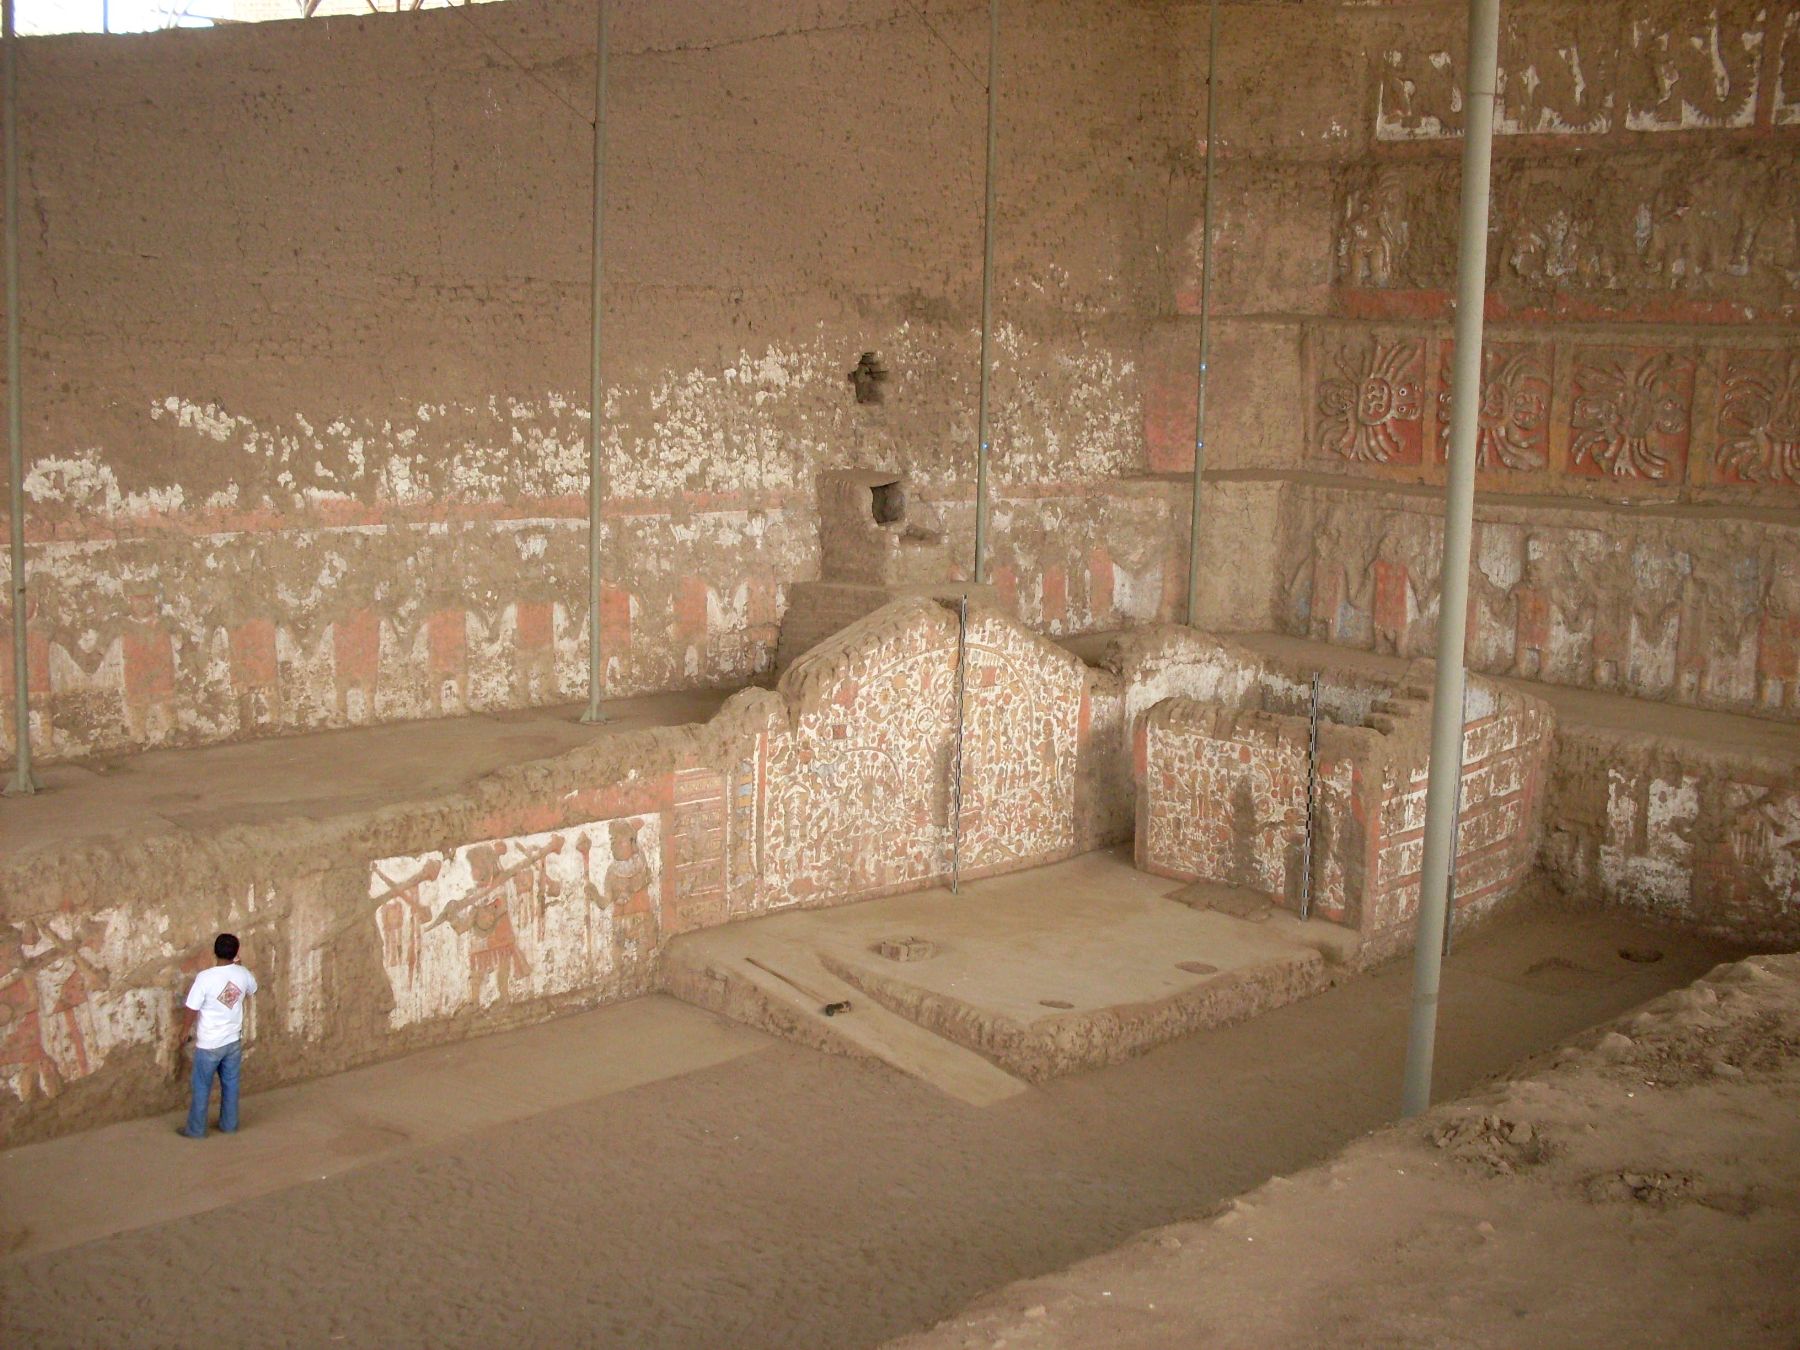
{"x":225,"y":1062}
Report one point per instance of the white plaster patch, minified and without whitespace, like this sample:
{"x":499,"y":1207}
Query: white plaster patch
{"x":1648,"y":854}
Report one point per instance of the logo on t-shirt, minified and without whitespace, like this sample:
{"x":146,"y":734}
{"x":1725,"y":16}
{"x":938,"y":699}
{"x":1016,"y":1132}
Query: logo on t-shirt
{"x":230,"y":994}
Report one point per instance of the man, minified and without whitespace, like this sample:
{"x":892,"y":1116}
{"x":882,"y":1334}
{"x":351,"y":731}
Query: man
{"x":215,"y":1025}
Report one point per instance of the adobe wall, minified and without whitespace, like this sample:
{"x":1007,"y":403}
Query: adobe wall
{"x":552,"y":885}
{"x":1222,"y":796}
{"x":306,"y":313}
{"x":1638,"y":461}
{"x":1702,"y":835}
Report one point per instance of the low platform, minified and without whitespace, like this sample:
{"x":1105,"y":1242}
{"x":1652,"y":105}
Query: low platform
{"x":1015,"y":980}
{"x":119,"y":800}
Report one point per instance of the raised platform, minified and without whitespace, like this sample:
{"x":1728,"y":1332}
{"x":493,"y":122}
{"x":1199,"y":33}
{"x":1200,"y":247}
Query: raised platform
{"x":121,"y":799}
{"x":413,"y":885}
{"x":1017,"y":979}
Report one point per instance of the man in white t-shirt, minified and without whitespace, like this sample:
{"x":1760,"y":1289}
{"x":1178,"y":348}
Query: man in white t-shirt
{"x":215,"y":1006}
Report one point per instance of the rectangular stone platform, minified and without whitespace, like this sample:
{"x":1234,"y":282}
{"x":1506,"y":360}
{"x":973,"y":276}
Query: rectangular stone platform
{"x":1067,"y":967}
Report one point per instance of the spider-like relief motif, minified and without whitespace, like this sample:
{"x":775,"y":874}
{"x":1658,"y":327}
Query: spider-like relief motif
{"x":1760,"y":420}
{"x":1627,"y":412}
{"x":1369,"y":411}
{"x":1515,"y":403}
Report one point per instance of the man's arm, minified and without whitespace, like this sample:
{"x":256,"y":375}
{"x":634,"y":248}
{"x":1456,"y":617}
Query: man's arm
{"x":192,"y":1004}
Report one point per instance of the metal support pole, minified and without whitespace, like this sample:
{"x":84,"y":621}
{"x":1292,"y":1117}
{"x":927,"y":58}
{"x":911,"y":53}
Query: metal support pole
{"x":987,"y":295}
{"x":1455,"y":846}
{"x":23,"y":783}
{"x":1459,"y":512}
{"x":1206,"y":235}
{"x":1312,"y":798}
{"x":956,"y":753}
{"x":596,"y":388}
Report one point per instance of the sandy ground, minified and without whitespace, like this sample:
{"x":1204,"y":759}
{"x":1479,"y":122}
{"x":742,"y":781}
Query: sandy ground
{"x":786,"y":1197}
{"x":1642,"y":1186}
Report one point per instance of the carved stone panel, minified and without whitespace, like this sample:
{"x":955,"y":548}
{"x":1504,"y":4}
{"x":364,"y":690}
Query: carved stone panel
{"x":1513,"y":424}
{"x":1369,"y":401}
{"x":1691,"y":236}
{"x":1694,"y":66}
{"x":1786,"y":110}
{"x":1556,"y":78}
{"x":1631,"y":413}
{"x":1759,"y":419}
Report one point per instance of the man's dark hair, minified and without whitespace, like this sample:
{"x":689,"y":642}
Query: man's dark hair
{"x":225,"y":946}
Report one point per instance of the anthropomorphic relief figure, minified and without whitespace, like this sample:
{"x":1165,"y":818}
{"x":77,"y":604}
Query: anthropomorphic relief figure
{"x":23,"y":1056}
{"x":505,"y":893}
{"x":628,"y":876}
{"x":1778,"y":638}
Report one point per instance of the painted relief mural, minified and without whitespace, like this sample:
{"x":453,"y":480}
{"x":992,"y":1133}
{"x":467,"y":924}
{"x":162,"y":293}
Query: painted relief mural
{"x":859,"y":797}
{"x":1718,"y":847}
{"x":507,"y":920}
{"x":1676,"y":67}
{"x":78,"y":991}
{"x":833,"y":787}
{"x":1559,"y":416}
{"x":1222,"y":797}
{"x":60,"y":1015}
{"x":1759,"y":419}
{"x":1693,"y":610}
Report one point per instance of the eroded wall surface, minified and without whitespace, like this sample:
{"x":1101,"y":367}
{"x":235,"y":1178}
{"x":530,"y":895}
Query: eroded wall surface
{"x":552,"y":885}
{"x":306,"y":310}
{"x":1638,"y":466}
{"x":1703,"y":836}
{"x":1222,"y":796}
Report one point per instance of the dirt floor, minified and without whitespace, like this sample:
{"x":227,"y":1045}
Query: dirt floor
{"x":1640,"y":1187}
{"x":782,"y":1196}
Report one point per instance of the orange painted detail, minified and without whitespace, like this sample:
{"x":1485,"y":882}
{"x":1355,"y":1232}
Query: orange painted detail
{"x":1100,"y":584}
{"x":1005,"y":581}
{"x":1056,"y":594}
{"x":1778,"y":652}
{"x":37,"y":661}
{"x":356,"y":646}
{"x":447,"y":640}
{"x":253,"y":662}
{"x":615,"y":617}
{"x":149,"y":663}
{"x":1533,"y":618}
{"x":690,"y":608}
{"x":534,"y":624}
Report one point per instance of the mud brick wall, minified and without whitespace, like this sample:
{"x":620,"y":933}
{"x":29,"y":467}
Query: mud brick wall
{"x":1642,"y":362}
{"x":1704,"y":836}
{"x":551,"y":886}
{"x":306,"y":314}
{"x":1690,"y":605}
{"x":1222,"y":797}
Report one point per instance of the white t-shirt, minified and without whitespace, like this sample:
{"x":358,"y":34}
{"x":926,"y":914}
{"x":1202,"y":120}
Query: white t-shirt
{"x":218,"y":996}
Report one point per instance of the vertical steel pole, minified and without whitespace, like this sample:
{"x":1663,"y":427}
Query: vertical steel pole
{"x":22,"y":781}
{"x":1206,"y":235}
{"x":1459,"y":512}
{"x":596,"y":388}
{"x":1312,"y":799}
{"x":956,"y":762}
{"x":987,"y":294}
{"x":1455,"y":846}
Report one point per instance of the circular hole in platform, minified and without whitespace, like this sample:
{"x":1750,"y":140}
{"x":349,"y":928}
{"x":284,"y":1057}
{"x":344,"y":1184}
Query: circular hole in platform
{"x":905,"y":948}
{"x":1644,"y":956}
{"x":1197,"y":967}
{"x":1055,"y":1003}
